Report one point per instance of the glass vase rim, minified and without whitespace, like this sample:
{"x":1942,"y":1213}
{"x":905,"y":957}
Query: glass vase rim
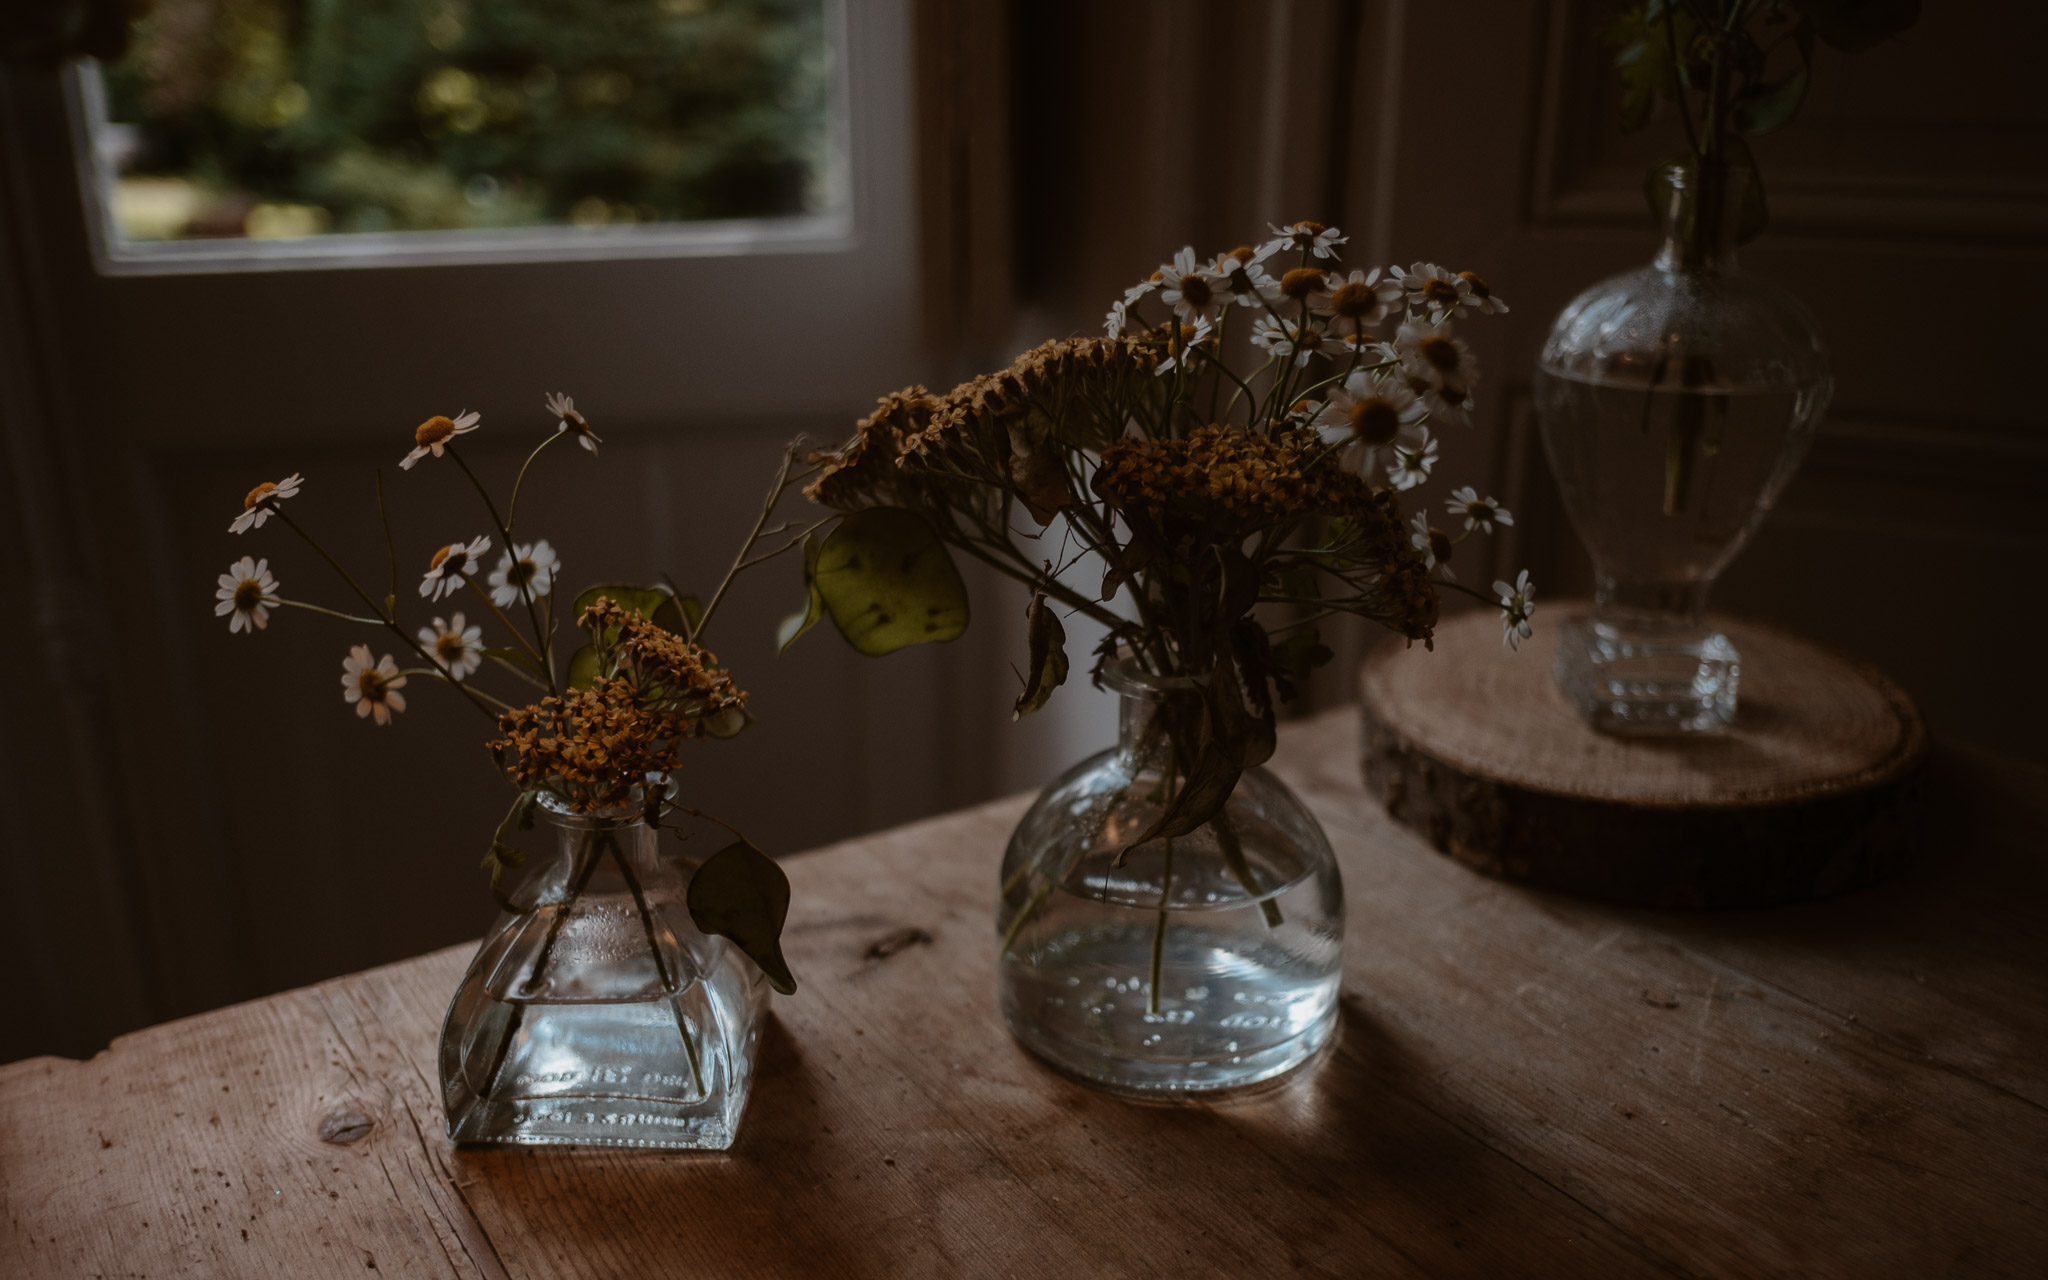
{"x":619,"y":815}
{"x":1127,"y":678}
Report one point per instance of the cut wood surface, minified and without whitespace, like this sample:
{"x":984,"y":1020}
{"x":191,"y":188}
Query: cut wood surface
{"x":1525,"y":1085}
{"x":1810,"y":792}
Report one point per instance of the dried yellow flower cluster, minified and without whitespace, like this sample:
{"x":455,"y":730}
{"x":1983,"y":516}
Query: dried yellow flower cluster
{"x":866,"y":467}
{"x":1224,"y":471}
{"x":593,"y":747}
{"x":916,"y":439}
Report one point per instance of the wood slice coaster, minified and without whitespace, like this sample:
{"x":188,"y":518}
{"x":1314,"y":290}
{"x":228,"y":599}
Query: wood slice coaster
{"x":1809,"y":793}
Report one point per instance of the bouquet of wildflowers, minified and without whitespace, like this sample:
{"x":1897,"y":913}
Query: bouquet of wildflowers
{"x":1231,"y":511}
{"x":598,"y":730}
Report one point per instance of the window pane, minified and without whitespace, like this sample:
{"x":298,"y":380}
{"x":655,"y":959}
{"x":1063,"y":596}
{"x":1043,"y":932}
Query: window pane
{"x":279,"y":119}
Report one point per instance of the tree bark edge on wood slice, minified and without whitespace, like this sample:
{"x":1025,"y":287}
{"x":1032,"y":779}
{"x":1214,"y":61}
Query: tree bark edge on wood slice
{"x":1812,"y":793}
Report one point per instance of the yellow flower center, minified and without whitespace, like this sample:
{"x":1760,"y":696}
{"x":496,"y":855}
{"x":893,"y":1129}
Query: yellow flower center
{"x":1481,"y":511}
{"x":1301,"y":282}
{"x":1435,"y":290}
{"x":1354,"y":299}
{"x":433,"y":431}
{"x":1375,"y":421}
{"x":248,"y":594}
{"x":257,"y":495}
{"x":1195,"y":291}
{"x":1475,"y":284}
{"x":442,"y":554}
{"x":1310,"y":229}
{"x":1440,"y":352}
{"x":449,"y":647}
{"x":1440,"y":545}
{"x":1243,"y":253}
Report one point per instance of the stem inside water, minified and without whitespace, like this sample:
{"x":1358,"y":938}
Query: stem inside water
{"x":1241,"y":870}
{"x":668,"y":982}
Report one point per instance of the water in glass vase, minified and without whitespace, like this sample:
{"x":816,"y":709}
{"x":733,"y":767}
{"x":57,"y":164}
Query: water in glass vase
{"x":1198,"y":997}
{"x":1664,"y":484}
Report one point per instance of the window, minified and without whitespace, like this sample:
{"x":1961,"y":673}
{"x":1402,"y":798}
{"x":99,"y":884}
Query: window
{"x":269,"y":132}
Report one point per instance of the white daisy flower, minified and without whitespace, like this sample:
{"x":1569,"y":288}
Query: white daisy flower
{"x":1413,"y":460}
{"x":262,"y":500}
{"x":1517,"y":603}
{"x":1431,"y":289}
{"x":249,"y":593}
{"x":565,"y":409}
{"x":1355,"y":302}
{"x":530,"y":565}
{"x":452,"y":566}
{"x":1480,"y":513}
{"x":433,"y":435}
{"x":1279,"y":337}
{"x":1434,"y":544}
{"x":1192,"y":289}
{"x":1192,"y":338}
{"x":1439,"y":366}
{"x":1307,"y":237}
{"x":1113,"y":323}
{"x":1246,"y":279}
{"x":1372,"y":413}
{"x":459,"y":649}
{"x":1478,"y":297}
{"x":1140,"y":289}
{"x":372,"y":686}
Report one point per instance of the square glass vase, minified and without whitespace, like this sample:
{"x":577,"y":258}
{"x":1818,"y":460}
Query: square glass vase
{"x":596,"y":1013}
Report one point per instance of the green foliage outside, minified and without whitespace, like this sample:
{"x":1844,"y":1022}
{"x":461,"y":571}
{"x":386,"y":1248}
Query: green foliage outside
{"x":372,"y":115}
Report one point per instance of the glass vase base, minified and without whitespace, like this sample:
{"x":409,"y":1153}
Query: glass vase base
{"x":1649,"y":680}
{"x":609,"y":1074}
{"x":1227,"y":1019}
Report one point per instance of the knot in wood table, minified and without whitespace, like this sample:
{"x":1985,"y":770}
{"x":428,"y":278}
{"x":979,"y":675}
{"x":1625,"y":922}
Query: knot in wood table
{"x":1525,"y":1084}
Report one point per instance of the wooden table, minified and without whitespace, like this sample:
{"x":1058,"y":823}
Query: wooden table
{"x":1525,"y":1084}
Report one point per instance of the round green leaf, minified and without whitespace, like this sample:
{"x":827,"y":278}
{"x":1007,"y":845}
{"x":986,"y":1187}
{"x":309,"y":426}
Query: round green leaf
{"x":888,"y":582}
{"x":739,"y":893}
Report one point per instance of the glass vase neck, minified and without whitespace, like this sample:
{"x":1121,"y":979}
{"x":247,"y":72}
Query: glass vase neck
{"x":1154,"y":711}
{"x":1702,"y":213}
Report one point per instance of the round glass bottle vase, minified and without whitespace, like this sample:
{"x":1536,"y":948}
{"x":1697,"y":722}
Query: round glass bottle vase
{"x":1675,"y":403}
{"x":1203,"y":963}
{"x":596,"y":1013}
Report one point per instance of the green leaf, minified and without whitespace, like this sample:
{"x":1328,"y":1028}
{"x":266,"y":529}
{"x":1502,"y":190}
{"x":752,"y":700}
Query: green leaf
{"x":521,"y":659}
{"x":728,"y":723}
{"x":1855,"y":25}
{"x":679,"y":615}
{"x":582,"y":668}
{"x":796,"y":624}
{"x":1048,"y":660}
{"x":887,"y":582}
{"x":739,"y":893}
{"x":1762,"y":108}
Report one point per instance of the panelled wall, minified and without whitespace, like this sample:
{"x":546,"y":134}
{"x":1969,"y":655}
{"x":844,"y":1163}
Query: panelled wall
{"x":1910,"y":214}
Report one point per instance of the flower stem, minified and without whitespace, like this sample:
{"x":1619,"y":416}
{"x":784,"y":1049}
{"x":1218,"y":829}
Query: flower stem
{"x":389,"y":624}
{"x":547,"y":666}
{"x":512,"y":510}
{"x":668,"y":983}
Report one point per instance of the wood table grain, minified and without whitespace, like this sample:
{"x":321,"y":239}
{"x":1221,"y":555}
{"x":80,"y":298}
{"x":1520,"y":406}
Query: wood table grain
{"x":1525,"y":1085}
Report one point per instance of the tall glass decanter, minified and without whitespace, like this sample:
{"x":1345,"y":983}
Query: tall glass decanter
{"x":596,"y":1013}
{"x":1675,"y":403}
{"x":1195,"y":965}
